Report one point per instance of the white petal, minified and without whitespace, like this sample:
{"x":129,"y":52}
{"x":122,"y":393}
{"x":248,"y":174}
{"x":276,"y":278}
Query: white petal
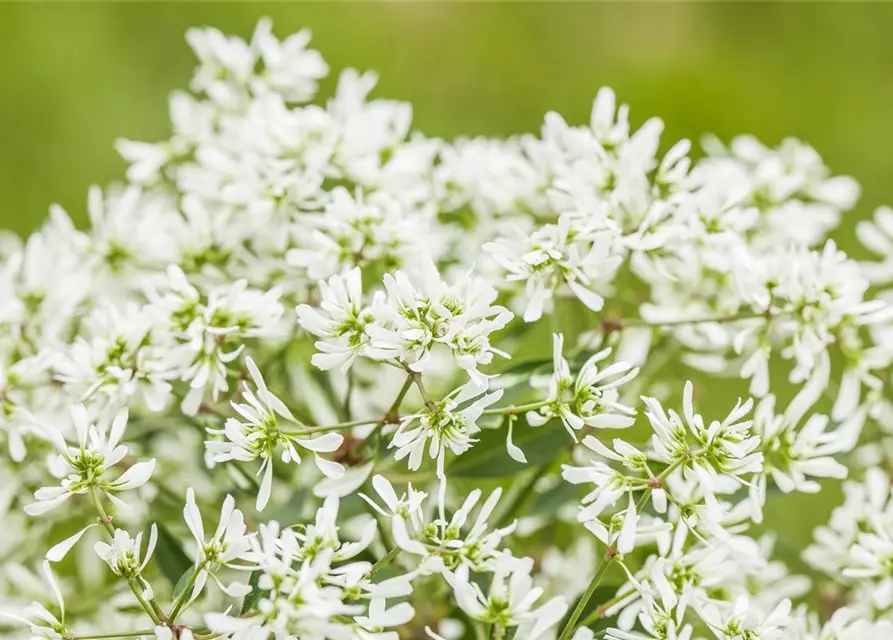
{"x":58,"y":551}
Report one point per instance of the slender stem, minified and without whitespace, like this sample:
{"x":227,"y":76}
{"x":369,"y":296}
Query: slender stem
{"x":151,"y":606}
{"x":345,"y":408}
{"x":530,"y":406}
{"x":410,"y":379}
{"x":569,"y":628}
{"x":125,"y":634}
{"x":741,"y":315}
{"x":184,"y":596}
{"x":601,"y":609}
{"x":103,"y":516}
{"x":611,"y":553}
{"x":395,"y":407}
{"x":390,"y":555}
{"x":417,"y":378}
{"x":309,"y":431}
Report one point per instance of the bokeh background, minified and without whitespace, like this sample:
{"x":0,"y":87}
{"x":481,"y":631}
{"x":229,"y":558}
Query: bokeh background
{"x":74,"y":77}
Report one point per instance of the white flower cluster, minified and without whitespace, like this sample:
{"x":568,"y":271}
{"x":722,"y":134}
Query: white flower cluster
{"x":289,"y":278}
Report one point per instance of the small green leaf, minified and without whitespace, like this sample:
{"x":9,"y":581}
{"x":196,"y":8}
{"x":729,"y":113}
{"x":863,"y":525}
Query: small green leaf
{"x":251,"y":600}
{"x":183,"y":581}
{"x":527,"y":367}
{"x":170,"y":556}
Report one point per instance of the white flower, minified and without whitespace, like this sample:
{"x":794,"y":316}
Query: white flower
{"x":480,"y":546}
{"x":259,"y":435}
{"x":415,"y":318}
{"x":745,"y":621}
{"x":510,"y":600}
{"x":119,"y":355}
{"x":592,"y":399}
{"x":231,"y":69}
{"x":865,"y":509}
{"x":84,"y":467}
{"x":567,"y":254}
{"x":793,"y":452}
{"x":228,"y":544}
{"x":123,"y":555}
{"x":444,"y":426}
{"x":381,"y":617}
{"x":289,"y":67}
{"x":398,"y":252}
{"x":404,"y":512}
{"x":661,"y":613}
{"x":323,"y":535}
{"x":342,"y":323}
{"x":724,"y":449}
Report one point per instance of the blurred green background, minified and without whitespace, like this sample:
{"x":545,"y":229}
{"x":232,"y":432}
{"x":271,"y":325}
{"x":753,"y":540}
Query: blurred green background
{"x":75,"y":76}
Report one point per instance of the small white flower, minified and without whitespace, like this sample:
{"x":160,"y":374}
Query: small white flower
{"x":228,"y":544}
{"x":123,"y":556}
{"x":443,"y":427}
{"x":260,"y":435}
{"x":405,"y":513}
{"x":341,"y":323}
{"x":510,"y":600}
{"x":564,"y":254}
{"x":84,"y":467}
{"x":591,"y":399}
{"x":746,"y":621}
{"x":422,"y":312}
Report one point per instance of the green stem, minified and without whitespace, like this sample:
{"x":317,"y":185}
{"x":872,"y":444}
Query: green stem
{"x":390,"y":555}
{"x":345,"y":407}
{"x":411,"y":378}
{"x":417,"y":378}
{"x":125,"y":634}
{"x":151,"y":607}
{"x":309,"y":431}
{"x":600,"y":610}
{"x":569,"y":628}
{"x":740,"y":315}
{"x":520,"y":408}
{"x":395,"y":407}
{"x":184,"y":596}
{"x":611,"y":553}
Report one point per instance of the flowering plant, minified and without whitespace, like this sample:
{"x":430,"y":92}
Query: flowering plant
{"x":440,"y":389}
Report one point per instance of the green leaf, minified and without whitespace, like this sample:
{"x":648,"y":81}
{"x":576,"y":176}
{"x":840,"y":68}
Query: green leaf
{"x":251,"y":600}
{"x":183,"y":581}
{"x":170,"y":556}
{"x":489,"y":459}
{"x":527,"y":367}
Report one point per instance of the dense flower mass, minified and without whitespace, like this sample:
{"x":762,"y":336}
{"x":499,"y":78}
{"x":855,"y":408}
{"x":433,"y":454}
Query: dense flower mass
{"x":504,"y":361}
